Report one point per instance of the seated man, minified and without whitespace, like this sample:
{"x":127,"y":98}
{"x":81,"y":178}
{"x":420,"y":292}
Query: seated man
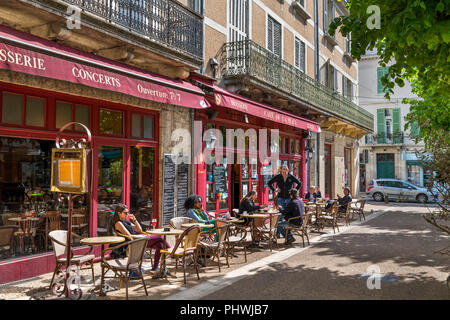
{"x":342,"y":202}
{"x":311,"y":195}
{"x":294,"y":208}
{"x":318,"y":193}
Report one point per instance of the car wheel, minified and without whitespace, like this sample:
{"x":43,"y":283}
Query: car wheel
{"x":378,"y":196}
{"x":422,"y":198}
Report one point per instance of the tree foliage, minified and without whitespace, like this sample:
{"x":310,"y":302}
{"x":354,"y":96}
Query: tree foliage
{"x":414,"y":36}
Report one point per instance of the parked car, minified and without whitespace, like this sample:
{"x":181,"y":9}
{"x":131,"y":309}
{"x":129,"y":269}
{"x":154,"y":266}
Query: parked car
{"x":396,"y":189}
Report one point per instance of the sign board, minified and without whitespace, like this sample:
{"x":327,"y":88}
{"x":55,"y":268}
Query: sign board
{"x":182,"y":187}
{"x":69,"y":171}
{"x":220,"y":178}
{"x":168,"y":188}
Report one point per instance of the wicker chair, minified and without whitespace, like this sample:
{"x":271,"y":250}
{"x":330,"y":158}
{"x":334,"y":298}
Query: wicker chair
{"x":269,"y":234}
{"x":237,"y":236}
{"x":358,"y":208}
{"x":217,"y":245}
{"x":178,"y":221}
{"x":302,"y":230}
{"x":186,"y":245}
{"x":59,"y":242}
{"x":123,"y":267}
{"x":7,"y":238}
{"x":345,"y":213}
{"x":52,"y":222}
{"x":329,"y":219}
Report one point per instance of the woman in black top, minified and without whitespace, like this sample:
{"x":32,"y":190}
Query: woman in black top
{"x":246,"y":203}
{"x":133,"y":229}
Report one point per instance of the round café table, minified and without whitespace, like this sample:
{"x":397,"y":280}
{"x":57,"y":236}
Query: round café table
{"x":160,"y":232}
{"x":94,"y":241}
{"x":201,"y":225}
{"x":256,"y":216}
{"x":65,"y":215}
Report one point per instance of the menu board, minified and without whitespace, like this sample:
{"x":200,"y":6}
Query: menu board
{"x":182,"y":188}
{"x":267,"y":175}
{"x":168,"y":188}
{"x":220,"y":178}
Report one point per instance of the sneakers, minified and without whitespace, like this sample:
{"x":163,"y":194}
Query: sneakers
{"x":155,"y":269}
{"x":290,"y":240}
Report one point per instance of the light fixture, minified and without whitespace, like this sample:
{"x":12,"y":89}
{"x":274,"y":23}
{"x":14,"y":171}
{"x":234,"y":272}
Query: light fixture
{"x":245,"y":118}
{"x":212,"y":114}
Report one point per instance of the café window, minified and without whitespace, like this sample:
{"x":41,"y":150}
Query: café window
{"x":111,"y":122}
{"x":292,"y":146}
{"x":141,"y":126}
{"x":28,"y":209}
{"x":23,"y":110}
{"x":68,"y":112}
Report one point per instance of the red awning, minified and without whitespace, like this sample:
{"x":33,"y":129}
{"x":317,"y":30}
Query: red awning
{"x":228,"y":99}
{"x":29,"y":54}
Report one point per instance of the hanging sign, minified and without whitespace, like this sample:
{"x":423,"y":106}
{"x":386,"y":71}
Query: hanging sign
{"x":69,"y":171}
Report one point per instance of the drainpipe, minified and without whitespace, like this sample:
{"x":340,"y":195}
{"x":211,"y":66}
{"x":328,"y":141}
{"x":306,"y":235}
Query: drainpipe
{"x":317,"y":77}
{"x":192,"y":152}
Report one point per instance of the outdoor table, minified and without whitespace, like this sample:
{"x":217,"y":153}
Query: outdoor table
{"x":102,"y":241}
{"x":201,"y":225}
{"x":160,"y":232}
{"x":256,"y":216}
{"x":65,"y":215}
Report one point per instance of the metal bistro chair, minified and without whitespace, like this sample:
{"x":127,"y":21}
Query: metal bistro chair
{"x":302,"y":230}
{"x":270,"y":234}
{"x":358,"y":208}
{"x":217,"y":245}
{"x":59,"y":242}
{"x":329,"y":219}
{"x":237,"y":236}
{"x":123,"y":267}
{"x":186,"y":245}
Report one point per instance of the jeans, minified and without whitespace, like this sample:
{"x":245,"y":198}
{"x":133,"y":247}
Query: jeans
{"x":282,"y":202}
{"x":281,"y":229}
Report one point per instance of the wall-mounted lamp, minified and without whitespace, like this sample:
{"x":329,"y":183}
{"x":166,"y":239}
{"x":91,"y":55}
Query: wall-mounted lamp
{"x":212,"y":114}
{"x":245,"y":118}
{"x":214,"y":64}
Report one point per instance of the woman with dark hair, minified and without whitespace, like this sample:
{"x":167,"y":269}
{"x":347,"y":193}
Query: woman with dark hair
{"x":194,"y":210}
{"x":247,"y":202}
{"x":133,"y":229}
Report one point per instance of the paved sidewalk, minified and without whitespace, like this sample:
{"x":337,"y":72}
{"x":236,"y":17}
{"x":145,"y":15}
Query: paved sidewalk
{"x":329,"y":268}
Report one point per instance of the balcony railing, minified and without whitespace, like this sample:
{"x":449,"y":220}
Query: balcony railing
{"x":250,"y":60}
{"x":164,"y":21}
{"x":383,"y":138}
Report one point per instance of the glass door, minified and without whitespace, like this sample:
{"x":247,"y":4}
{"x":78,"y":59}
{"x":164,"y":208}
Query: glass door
{"x":217,"y":187}
{"x":110,"y":185}
{"x":142,"y":184}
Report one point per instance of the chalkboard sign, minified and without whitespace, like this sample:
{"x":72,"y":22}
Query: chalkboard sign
{"x":182,"y":188}
{"x":266,"y":180}
{"x":168,"y":188}
{"x":220,"y":178}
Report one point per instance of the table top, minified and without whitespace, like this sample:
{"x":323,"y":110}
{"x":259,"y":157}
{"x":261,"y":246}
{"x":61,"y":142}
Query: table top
{"x":266,"y":212}
{"x":18,"y":219}
{"x":65,"y":215}
{"x":234,"y":220}
{"x":161,"y":232}
{"x":102,"y":240}
{"x":259,"y":215}
{"x":201,"y":225}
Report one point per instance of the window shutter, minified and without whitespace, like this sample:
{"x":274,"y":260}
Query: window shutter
{"x":414,"y":130}
{"x":325,"y":16}
{"x":380,"y":73}
{"x":277,"y":38}
{"x":351,"y":90}
{"x":297,"y":53}
{"x":270,"y":35}
{"x":381,"y":126}
{"x":302,"y":56}
{"x":396,"y":124}
{"x":335,"y":81}
{"x":344,"y":86}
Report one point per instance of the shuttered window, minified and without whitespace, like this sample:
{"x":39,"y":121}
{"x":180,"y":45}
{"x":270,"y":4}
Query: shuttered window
{"x":299,"y":55}
{"x":380,"y":73}
{"x":274,"y":37}
{"x":414,"y":130}
{"x":328,"y":14}
{"x":381,"y":126}
{"x":238,"y":20}
{"x":396,"y":125}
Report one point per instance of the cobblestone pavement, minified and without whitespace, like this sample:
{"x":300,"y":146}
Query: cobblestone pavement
{"x":394,"y":239}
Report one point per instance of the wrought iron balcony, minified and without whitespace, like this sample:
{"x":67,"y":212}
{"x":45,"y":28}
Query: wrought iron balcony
{"x":383,"y":138}
{"x":164,"y":21}
{"x":246,"y":59}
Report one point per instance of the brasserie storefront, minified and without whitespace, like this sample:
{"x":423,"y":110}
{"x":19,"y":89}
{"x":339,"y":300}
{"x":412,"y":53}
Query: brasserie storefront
{"x":43,"y":86}
{"x":222,"y":184}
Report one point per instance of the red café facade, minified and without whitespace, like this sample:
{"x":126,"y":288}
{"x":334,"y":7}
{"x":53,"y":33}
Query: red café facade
{"x":232,"y":111}
{"x":44,"y":85}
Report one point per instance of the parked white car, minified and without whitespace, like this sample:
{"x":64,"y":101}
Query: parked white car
{"x":396,"y":189}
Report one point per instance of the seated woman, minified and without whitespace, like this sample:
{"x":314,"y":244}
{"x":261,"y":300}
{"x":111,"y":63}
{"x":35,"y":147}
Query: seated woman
{"x":194,"y":210}
{"x":247,"y":205}
{"x":318,"y":193}
{"x":133,"y":229}
{"x":294,"y":208}
{"x":342,"y":202}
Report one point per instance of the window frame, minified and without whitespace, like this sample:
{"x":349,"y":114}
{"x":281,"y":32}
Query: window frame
{"x":74,"y":104}
{"x":142,"y":115}
{"x":124,"y":115}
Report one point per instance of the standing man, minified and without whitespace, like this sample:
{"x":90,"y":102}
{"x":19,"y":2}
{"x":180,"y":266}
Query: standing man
{"x":285,"y":182}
